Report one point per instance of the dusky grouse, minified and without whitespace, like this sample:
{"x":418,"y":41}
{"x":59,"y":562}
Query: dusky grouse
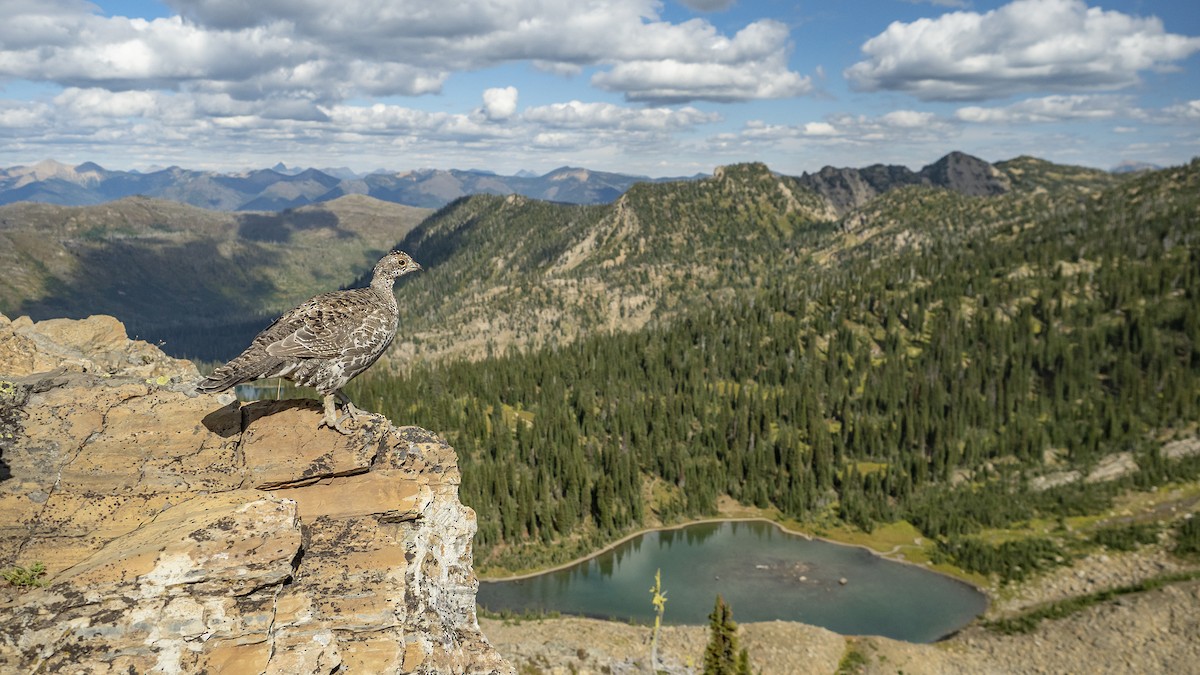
{"x":324,"y":342}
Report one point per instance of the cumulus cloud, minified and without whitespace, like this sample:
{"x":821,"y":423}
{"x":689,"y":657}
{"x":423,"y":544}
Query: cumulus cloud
{"x":247,"y":79}
{"x":892,"y":127}
{"x":1025,"y":46}
{"x":325,"y":52}
{"x":24,"y":117}
{"x":499,"y":104}
{"x":1052,"y":109}
{"x":1180,"y":112}
{"x":106,"y":104}
{"x":193,"y":128}
{"x":752,"y":65}
{"x":580,"y":115}
{"x":818,"y":129}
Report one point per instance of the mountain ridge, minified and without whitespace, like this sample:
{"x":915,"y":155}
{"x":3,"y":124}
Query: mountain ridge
{"x":661,"y":247}
{"x":282,"y":187}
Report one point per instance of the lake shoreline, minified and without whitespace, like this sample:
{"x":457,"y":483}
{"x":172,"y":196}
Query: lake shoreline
{"x":633,"y":535}
{"x":743,"y":519}
{"x":858,"y":576}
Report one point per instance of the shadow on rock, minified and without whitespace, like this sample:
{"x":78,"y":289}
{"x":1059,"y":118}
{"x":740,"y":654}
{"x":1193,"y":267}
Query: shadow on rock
{"x":231,"y":420}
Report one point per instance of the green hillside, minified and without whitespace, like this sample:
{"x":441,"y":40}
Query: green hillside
{"x":511,"y":272}
{"x":924,"y":358}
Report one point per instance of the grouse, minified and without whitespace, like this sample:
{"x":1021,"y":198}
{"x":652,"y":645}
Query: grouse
{"x":324,"y":342}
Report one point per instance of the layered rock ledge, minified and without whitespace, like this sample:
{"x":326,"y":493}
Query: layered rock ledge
{"x":191,"y":534}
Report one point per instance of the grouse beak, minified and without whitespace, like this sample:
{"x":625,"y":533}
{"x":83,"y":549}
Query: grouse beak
{"x":417,"y":266}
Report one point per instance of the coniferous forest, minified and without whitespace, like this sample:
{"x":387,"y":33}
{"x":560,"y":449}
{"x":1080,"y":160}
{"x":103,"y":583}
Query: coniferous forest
{"x":927,"y":366}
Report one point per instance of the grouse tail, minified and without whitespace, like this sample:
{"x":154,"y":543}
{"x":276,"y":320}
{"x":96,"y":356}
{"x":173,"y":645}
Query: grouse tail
{"x":220,"y":380}
{"x":250,"y":365}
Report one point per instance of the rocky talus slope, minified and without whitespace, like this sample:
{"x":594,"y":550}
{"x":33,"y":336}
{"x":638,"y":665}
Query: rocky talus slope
{"x":193,"y":534}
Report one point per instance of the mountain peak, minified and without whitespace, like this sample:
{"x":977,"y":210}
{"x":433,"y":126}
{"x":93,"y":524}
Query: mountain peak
{"x":967,"y":174}
{"x":742,"y":170}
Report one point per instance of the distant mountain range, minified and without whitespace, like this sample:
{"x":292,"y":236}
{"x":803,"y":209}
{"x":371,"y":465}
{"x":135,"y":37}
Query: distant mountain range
{"x":281,"y":187}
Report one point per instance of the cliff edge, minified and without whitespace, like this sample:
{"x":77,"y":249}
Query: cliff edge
{"x":191,"y":534}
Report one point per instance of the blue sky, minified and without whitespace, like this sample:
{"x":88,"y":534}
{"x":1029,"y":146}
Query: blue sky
{"x":636,"y":86}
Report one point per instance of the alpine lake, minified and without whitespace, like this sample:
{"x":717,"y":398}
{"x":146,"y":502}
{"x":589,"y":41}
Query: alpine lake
{"x":763,"y":572}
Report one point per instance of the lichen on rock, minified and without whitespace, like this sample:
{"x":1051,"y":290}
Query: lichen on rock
{"x":183,"y":535}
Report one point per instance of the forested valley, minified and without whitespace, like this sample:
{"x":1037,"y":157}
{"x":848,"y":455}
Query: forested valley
{"x":924,"y":358}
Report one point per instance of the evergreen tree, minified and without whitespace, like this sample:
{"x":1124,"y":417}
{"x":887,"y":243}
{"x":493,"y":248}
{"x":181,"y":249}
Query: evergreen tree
{"x":722,"y":655}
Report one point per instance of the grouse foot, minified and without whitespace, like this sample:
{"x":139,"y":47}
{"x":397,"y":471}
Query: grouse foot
{"x":335,"y":422}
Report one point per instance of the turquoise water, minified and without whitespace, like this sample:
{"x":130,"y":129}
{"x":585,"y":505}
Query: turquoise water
{"x":764,"y":574}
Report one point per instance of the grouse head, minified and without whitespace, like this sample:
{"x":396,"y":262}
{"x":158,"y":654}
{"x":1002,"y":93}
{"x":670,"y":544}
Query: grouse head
{"x":393,"y":265}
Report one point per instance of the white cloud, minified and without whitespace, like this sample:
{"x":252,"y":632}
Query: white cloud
{"x":670,"y":81}
{"x":191,"y":128}
{"x":697,"y":63}
{"x":106,"y":104}
{"x":898,"y":125}
{"x":326,"y":52}
{"x":906,"y":137}
{"x":398,"y":121}
{"x":226,"y":78}
{"x":499,"y":104}
{"x":580,"y":115}
{"x":909,"y":119}
{"x":1052,"y":109}
{"x":1027,"y":45}
{"x":819,"y":129}
{"x":23,"y":117}
{"x":1180,"y":112}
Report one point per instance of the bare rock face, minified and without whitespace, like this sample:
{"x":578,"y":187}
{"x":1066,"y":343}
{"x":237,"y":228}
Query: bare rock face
{"x":181,"y":535}
{"x":97,"y":344}
{"x":847,"y":189}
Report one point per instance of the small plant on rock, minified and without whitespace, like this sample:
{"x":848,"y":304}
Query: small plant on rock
{"x":26,"y":577}
{"x":660,"y":605}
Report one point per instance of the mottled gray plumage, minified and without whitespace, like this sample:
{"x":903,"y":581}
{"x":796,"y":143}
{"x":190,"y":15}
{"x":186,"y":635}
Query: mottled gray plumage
{"x":324,"y":342}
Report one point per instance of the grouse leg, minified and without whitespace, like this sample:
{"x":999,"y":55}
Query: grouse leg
{"x":331,"y":418}
{"x":348,"y":406}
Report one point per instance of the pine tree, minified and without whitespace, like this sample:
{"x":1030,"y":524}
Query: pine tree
{"x":722,"y":655}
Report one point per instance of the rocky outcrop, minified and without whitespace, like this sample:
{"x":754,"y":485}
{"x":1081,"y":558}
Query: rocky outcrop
{"x":189,"y":534}
{"x":97,"y":344}
{"x":968,"y":175}
{"x":848,"y":189}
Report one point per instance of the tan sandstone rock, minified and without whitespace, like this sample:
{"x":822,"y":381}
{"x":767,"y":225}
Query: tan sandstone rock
{"x":97,"y":344}
{"x":181,"y":535}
